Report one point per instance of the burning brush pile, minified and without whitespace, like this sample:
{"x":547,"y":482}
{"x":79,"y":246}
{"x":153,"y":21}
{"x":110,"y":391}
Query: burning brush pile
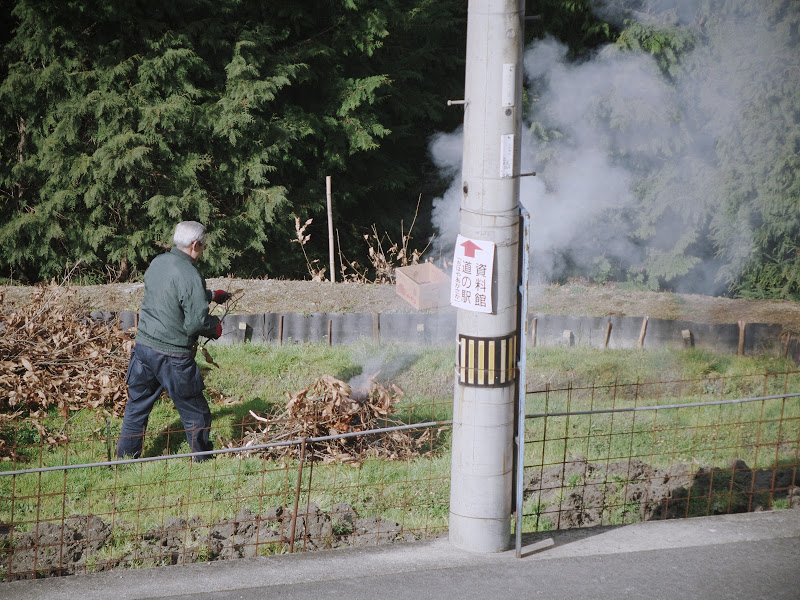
{"x":52,"y":354}
{"x":331,"y":407}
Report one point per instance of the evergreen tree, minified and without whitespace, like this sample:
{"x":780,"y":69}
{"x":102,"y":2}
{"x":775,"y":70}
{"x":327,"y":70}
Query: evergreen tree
{"x":758,"y":233}
{"x":572,"y":22}
{"x":119,"y":120}
{"x":733,"y":197}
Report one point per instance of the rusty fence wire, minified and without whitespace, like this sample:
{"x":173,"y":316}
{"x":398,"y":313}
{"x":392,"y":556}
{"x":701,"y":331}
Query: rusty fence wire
{"x":615,"y":454}
{"x":63,"y":518}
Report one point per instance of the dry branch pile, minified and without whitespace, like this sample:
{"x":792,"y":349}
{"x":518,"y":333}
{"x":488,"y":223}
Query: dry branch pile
{"x":330,"y":407}
{"x":53,"y":355}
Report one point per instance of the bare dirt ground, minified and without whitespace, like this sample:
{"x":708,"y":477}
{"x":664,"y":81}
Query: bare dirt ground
{"x":576,"y":494}
{"x":86,"y":543}
{"x":577,"y":299}
{"x":580,"y":493}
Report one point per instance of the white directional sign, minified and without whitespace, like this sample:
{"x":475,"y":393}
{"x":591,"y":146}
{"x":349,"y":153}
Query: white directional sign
{"x":473,"y":266}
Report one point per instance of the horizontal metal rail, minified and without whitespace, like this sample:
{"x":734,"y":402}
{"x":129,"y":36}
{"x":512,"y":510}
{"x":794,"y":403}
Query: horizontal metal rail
{"x":600,"y":411}
{"x":128,"y":461}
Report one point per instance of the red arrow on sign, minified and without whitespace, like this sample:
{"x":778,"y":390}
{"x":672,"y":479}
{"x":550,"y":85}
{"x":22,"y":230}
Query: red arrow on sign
{"x":470,"y":247}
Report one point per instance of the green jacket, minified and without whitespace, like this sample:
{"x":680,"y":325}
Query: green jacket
{"x":175,"y":307}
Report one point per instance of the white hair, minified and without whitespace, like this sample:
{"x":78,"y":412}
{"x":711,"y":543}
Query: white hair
{"x":187,"y":232}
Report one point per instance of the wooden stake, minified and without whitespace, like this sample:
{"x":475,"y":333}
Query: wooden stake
{"x":330,"y":225}
{"x":533,"y":333}
{"x":280,"y":331}
{"x":742,"y":326}
{"x":376,"y":328}
{"x":330,"y":332}
{"x":688,"y":340}
{"x":297,"y":493}
{"x":608,"y":335}
{"x":643,"y":332}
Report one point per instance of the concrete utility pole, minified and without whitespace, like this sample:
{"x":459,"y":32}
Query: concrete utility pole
{"x":488,"y":343}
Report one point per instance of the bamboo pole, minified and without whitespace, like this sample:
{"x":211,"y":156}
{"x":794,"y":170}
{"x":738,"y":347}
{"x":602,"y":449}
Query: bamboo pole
{"x":330,"y":225}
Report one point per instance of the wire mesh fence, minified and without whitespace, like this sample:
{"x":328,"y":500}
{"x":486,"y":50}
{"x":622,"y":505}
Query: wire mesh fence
{"x":63,"y":518}
{"x":594,"y":455}
{"x":614,"y":454}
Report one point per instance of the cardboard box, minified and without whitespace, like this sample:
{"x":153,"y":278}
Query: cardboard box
{"x":423,"y":285}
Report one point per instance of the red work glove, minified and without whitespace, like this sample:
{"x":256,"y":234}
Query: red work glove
{"x":218,"y":333}
{"x":220,"y":296}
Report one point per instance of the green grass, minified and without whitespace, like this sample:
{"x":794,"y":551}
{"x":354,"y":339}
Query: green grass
{"x":414,"y":493}
{"x":763,"y":434}
{"x":583,"y":365}
{"x":666,"y":437}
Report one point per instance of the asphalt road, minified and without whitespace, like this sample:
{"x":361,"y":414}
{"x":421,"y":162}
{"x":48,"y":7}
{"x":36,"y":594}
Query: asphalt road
{"x":748,"y":556}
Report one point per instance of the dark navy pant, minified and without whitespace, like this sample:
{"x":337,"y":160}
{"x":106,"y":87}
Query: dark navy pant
{"x":151,"y":372}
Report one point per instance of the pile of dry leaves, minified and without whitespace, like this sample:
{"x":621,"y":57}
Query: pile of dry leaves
{"x":330,"y":407}
{"x":52,"y":354}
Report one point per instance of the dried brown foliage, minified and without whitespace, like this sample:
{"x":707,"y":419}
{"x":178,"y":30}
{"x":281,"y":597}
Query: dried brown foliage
{"x":302,"y":238}
{"x":384,"y":254}
{"x":330,"y":407}
{"x":52,"y":355}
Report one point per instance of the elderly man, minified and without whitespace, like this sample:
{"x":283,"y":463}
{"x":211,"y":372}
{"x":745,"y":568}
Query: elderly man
{"x":173,"y":314}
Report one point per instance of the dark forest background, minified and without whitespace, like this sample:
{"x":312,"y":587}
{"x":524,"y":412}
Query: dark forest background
{"x":119,"y":119}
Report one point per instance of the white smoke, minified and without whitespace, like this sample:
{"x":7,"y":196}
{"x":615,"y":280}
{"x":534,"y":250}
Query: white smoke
{"x":660,"y":12}
{"x":382,"y":366}
{"x":603,"y":126}
{"x":588,"y":179}
{"x":446,"y":150}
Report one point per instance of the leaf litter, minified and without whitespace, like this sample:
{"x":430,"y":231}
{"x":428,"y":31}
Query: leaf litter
{"x":55,"y":358}
{"x":331,"y":407}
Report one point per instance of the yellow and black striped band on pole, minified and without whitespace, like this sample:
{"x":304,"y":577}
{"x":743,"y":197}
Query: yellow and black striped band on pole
{"x":487,"y":362}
